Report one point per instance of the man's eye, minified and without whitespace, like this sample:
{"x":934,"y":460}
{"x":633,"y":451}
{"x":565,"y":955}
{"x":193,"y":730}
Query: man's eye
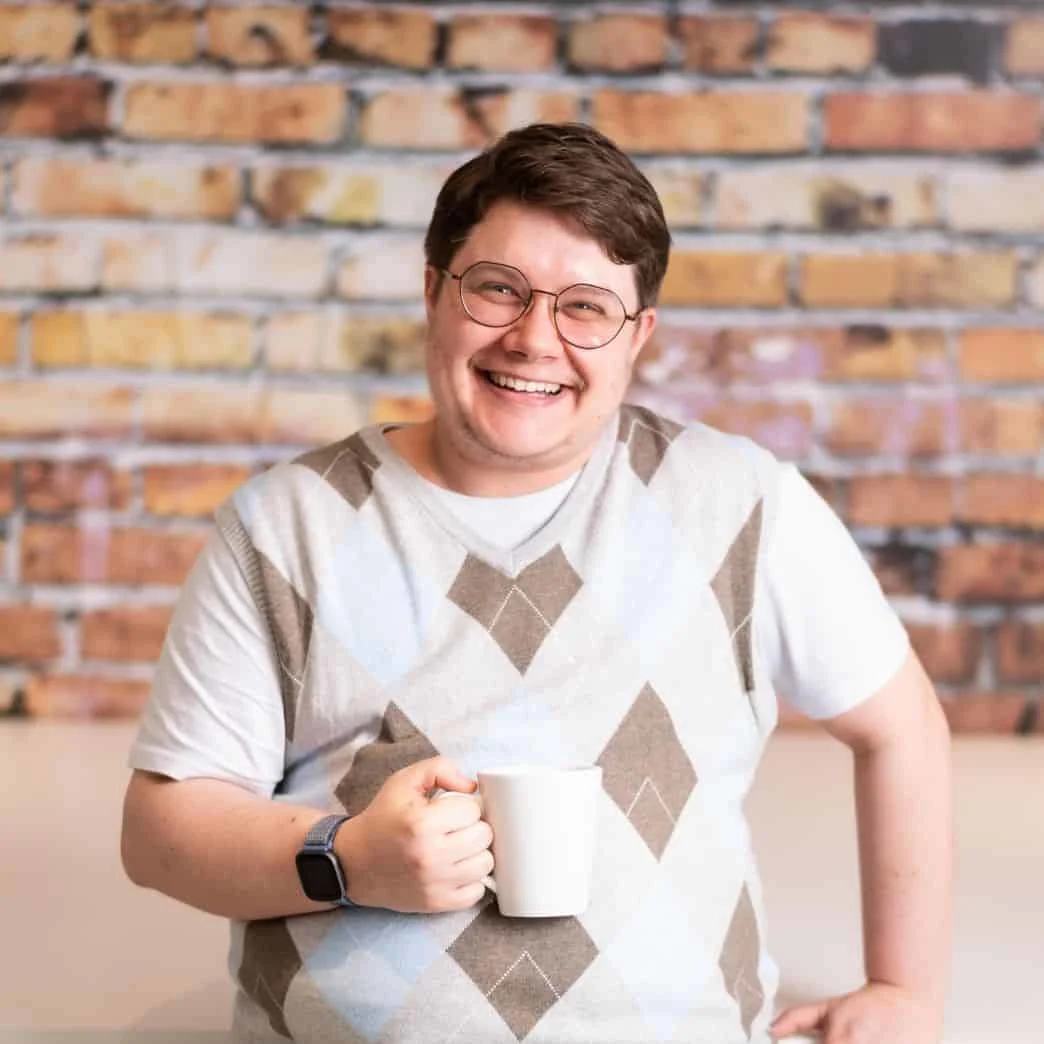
{"x":498,"y":290}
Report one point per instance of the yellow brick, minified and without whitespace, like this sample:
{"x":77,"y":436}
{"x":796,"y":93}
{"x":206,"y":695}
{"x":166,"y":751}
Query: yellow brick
{"x":718,"y":279}
{"x":1024,"y":47}
{"x":619,"y":42}
{"x":996,"y":200}
{"x":393,"y":36}
{"x":681,"y":195}
{"x":142,"y":33}
{"x":718,"y":45}
{"x":8,"y":338}
{"x":306,"y":113}
{"x":384,"y":270}
{"x":286,"y":194}
{"x":846,"y":198}
{"x":813,"y":43}
{"x":502,"y":43}
{"x":115,"y":188}
{"x":258,"y":36}
{"x":38,"y":32}
{"x":141,"y":340}
{"x":437,"y":119}
{"x":45,"y":410}
{"x":49,"y":262}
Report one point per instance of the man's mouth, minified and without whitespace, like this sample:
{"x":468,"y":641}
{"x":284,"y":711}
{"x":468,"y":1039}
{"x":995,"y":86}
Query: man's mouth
{"x":517,"y":384}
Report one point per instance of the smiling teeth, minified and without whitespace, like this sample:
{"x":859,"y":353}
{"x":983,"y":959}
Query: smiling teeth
{"x":524,"y":386}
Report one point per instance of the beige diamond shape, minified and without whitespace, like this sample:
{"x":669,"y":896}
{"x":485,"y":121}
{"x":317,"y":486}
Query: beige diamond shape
{"x":739,"y":961}
{"x":733,"y":585}
{"x":523,"y":967}
{"x":519,"y":613}
{"x":646,"y":771}
{"x":399,"y":743}
{"x":270,"y":962}
{"x":347,"y":465}
{"x":647,"y":437}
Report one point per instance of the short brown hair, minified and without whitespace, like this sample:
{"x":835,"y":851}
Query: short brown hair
{"x":569,"y":168}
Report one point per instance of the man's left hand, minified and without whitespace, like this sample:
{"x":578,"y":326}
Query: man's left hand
{"x":878,"y":1013}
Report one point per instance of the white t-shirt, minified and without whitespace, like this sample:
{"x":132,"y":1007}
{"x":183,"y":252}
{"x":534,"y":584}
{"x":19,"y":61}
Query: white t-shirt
{"x":218,"y":650}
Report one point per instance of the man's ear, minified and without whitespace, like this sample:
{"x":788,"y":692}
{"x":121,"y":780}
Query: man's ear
{"x":433,"y":280}
{"x":643,"y":328}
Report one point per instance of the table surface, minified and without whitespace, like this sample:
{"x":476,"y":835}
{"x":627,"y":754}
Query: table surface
{"x":84,"y":949}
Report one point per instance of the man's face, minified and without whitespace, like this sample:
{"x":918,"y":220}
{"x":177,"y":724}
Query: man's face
{"x":489,"y":438}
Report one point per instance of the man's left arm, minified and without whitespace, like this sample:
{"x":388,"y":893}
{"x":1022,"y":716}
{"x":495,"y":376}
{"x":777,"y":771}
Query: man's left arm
{"x":900,"y":743}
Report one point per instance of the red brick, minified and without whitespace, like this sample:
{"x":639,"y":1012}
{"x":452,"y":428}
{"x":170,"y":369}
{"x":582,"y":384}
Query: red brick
{"x":726,"y":122}
{"x":259,"y":36}
{"x":964,"y":280}
{"x":905,"y":427}
{"x":991,"y":573}
{"x":62,"y":554}
{"x":190,"y":490}
{"x":718,"y":45}
{"x":619,"y":43}
{"x":142,"y":33}
{"x":9,"y":338}
{"x":7,"y":491}
{"x":900,"y":500}
{"x":55,"y":107}
{"x":950,"y":654}
{"x":1024,"y":47}
{"x":59,"y":187}
{"x":784,"y":428}
{"x":1020,"y":651}
{"x":806,"y":42}
{"x":28,"y":634}
{"x":53,"y":486}
{"x":977,"y":713}
{"x":900,"y":568}
{"x":440,"y":119}
{"x":125,"y":634}
{"x":1002,"y":355}
{"x":1002,"y":500}
{"x":302,"y":113}
{"x":85,"y":696}
{"x":968,"y":121}
{"x":879,"y":353}
{"x":1010,"y":427}
{"x":47,"y":410}
{"x":502,"y":43}
{"x":389,"y":36}
{"x":716,"y":279}
{"x":38,"y":32}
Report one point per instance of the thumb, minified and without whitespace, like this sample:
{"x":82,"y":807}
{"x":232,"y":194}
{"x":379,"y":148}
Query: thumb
{"x":436,"y":773}
{"x":800,"y":1019}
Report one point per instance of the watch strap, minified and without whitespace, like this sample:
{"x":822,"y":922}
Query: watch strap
{"x":324,"y":831}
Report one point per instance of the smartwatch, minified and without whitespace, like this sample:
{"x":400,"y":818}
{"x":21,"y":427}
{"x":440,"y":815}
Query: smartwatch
{"x":320,"y":871}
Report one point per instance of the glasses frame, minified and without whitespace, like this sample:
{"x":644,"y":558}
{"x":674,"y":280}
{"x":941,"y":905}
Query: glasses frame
{"x":533,"y":291}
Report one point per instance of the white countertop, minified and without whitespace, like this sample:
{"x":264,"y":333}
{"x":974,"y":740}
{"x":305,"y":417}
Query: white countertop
{"x":84,"y":949}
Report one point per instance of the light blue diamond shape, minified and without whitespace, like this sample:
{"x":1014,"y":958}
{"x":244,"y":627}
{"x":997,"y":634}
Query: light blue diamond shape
{"x":367,"y":963}
{"x":659,"y":960}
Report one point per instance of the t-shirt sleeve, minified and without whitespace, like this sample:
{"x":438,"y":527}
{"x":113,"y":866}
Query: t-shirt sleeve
{"x":215,"y":709}
{"x":828,"y":636}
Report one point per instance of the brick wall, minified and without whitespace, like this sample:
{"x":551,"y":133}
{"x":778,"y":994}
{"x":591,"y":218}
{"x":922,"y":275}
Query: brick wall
{"x":210,"y":257}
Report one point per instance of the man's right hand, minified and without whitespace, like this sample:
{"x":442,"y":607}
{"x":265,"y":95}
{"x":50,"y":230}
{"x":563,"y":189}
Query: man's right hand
{"x":408,"y":853}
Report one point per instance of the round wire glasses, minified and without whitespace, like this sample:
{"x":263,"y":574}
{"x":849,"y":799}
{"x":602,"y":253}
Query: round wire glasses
{"x":498,"y":295}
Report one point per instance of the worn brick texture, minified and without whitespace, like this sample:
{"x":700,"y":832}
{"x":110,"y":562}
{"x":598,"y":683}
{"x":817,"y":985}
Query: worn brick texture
{"x":211,"y":219}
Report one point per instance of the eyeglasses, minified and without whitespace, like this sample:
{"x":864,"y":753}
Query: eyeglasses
{"x":498,"y":295}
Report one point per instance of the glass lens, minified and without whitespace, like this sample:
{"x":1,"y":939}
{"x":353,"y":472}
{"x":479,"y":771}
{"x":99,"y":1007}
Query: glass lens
{"x":494,"y":294}
{"x":589,"y":316}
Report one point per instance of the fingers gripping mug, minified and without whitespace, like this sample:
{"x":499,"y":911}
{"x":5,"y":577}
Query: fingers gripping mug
{"x":544,"y":823}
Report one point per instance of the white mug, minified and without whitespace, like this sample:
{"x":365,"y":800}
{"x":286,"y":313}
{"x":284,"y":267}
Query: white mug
{"x":544,"y":823}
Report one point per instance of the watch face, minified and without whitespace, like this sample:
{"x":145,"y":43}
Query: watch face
{"x":319,"y":877}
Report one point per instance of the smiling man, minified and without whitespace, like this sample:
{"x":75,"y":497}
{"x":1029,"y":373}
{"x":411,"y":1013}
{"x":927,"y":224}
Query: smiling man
{"x":539,"y":574}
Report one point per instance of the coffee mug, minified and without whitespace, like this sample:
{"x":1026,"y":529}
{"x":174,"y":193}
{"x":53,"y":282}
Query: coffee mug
{"x":544,"y":823}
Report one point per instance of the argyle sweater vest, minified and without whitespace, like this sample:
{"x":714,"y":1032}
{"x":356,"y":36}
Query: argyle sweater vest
{"x":620,"y":634}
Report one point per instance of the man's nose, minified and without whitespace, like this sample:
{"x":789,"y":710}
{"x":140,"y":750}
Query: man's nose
{"x":534,"y":332}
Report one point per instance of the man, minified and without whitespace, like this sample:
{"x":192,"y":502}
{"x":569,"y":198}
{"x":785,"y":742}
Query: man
{"x":537,"y":574}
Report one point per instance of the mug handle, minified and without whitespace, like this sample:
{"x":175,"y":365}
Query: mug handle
{"x":488,"y":879}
